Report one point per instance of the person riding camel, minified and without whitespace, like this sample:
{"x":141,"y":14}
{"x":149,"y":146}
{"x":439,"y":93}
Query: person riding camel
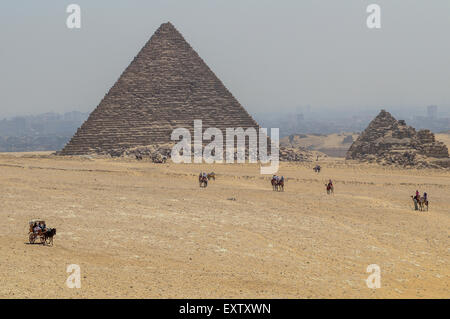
{"x":329,"y":185}
{"x":425,"y":197}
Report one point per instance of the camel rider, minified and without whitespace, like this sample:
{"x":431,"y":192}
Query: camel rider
{"x":425,"y":197}
{"x":416,"y":207}
{"x":282,"y":178}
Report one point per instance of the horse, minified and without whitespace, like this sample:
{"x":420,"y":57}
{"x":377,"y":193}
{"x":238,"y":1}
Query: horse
{"x":49,"y":234}
{"x":330,"y":188}
{"x":420,"y":204}
{"x":211,"y":175}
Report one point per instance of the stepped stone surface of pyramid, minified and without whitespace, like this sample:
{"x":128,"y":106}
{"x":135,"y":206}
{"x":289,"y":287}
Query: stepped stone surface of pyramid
{"x":388,"y":141}
{"x":166,"y":86}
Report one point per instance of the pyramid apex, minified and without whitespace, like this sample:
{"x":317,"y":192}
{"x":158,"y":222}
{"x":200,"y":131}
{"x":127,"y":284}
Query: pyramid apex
{"x":167,"y":25}
{"x":384,"y":114}
{"x":167,"y":28}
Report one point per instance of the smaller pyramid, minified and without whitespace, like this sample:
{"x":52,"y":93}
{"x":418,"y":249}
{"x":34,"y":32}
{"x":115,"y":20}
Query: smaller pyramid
{"x":389,"y":141}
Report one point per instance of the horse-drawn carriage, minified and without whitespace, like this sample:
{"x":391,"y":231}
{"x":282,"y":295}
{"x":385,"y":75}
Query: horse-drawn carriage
{"x":39,"y":231}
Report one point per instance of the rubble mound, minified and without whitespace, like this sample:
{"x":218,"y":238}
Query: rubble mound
{"x":390,"y":142}
{"x":299,"y":154}
{"x":154,"y":153}
{"x":161,"y":153}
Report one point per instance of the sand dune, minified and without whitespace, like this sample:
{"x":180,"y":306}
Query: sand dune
{"x":145,"y":230}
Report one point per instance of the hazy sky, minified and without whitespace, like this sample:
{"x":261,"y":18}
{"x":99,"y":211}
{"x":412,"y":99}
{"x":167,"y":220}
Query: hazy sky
{"x":270,"y":54}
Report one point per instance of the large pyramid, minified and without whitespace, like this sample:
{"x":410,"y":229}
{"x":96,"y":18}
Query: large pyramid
{"x":166,"y":86}
{"x":388,"y":141}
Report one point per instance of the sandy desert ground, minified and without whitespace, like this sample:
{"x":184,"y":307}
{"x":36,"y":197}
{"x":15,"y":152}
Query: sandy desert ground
{"x":445,"y":138}
{"x":331,"y":144}
{"x":146,"y":230}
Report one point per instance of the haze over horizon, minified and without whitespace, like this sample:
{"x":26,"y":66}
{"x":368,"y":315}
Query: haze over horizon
{"x":273,"y":57}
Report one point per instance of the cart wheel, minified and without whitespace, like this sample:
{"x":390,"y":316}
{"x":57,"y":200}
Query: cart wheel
{"x":32,"y":238}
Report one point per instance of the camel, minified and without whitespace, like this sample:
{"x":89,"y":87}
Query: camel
{"x":277,"y":185}
{"x":281,"y":185}
{"x":273,"y":181}
{"x":330,"y":188}
{"x":203,"y":181}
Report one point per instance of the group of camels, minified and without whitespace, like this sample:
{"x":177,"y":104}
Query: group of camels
{"x":420,"y":203}
{"x":277,"y":182}
{"x":203,"y":179}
